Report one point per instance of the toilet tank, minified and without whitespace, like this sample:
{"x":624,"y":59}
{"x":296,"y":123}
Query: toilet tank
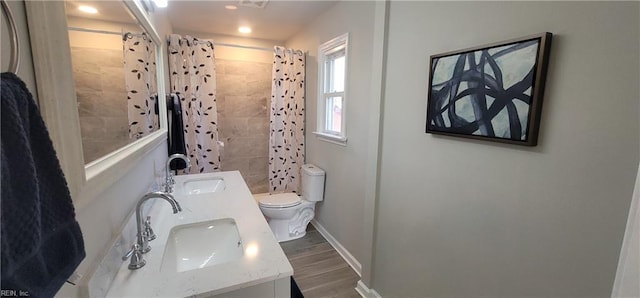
{"x":312,"y":183}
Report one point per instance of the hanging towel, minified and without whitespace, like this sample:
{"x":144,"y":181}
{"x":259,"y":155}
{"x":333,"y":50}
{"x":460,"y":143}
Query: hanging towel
{"x":41,"y":240}
{"x":176,"y":134}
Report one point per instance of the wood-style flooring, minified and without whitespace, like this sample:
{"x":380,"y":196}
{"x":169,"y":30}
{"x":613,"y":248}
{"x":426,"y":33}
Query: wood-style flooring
{"x":318,"y":269}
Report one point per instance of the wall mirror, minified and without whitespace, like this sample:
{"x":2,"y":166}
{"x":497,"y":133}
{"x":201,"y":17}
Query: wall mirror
{"x":114,"y":68}
{"x":51,"y":52}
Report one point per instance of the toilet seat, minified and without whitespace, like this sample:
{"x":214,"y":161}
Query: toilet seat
{"x":281,"y":200}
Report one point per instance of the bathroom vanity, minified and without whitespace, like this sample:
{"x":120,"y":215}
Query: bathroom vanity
{"x":219,"y":246}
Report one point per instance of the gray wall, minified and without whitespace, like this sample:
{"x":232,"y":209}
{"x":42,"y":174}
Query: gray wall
{"x":341,"y":212}
{"x":468,"y":218}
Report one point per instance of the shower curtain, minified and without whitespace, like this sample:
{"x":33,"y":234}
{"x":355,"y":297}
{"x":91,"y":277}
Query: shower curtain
{"x":286,"y":136}
{"x":193,"y":79}
{"x":140,"y":83}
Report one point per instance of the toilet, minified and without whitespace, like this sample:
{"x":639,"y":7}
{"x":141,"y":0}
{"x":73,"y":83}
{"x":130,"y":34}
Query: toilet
{"x":289,"y":214}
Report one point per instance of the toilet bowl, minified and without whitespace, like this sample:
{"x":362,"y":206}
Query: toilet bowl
{"x":289,"y":214}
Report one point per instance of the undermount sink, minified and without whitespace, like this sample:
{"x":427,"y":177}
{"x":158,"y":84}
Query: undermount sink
{"x":202,"y":244}
{"x":203,"y":185}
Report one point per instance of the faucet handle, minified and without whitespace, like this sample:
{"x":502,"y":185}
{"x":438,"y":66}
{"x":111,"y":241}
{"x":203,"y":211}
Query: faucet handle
{"x":134,"y":248}
{"x":130,"y":252}
{"x":137,"y":260}
{"x":148,"y":230}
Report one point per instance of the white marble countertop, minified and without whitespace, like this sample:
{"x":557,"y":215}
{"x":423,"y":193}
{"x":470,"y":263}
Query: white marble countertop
{"x":267,"y":263}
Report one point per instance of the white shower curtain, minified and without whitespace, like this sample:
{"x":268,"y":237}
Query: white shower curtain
{"x":286,"y":138}
{"x":140,"y":81}
{"x":193,"y":78}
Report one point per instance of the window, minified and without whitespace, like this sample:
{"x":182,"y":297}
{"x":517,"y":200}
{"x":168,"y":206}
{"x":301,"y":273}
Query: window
{"x":332,"y":75}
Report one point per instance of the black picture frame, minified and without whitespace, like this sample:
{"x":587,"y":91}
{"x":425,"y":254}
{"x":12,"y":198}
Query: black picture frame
{"x":491,"y":92}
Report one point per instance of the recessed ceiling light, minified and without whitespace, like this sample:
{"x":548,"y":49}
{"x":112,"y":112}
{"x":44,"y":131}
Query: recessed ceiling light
{"x":253,"y":3}
{"x":161,"y":3}
{"x":231,"y":7}
{"x":244,"y":29}
{"x":87,"y":9}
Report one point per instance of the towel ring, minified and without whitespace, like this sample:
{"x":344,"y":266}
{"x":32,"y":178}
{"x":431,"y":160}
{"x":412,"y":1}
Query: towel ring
{"x":15,"y":46}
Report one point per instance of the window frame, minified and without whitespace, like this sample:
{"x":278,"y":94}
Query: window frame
{"x":327,"y":52}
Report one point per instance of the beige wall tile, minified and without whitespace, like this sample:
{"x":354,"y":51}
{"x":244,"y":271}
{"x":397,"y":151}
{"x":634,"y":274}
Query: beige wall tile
{"x":258,"y":165}
{"x":258,"y":126}
{"x":236,"y":127}
{"x":231,"y":84}
{"x":88,"y":78}
{"x":91,"y":126}
{"x":102,"y":100}
{"x":244,"y":91}
{"x":113,"y":78}
{"x":257,"y":184}
{"x":258,"y":87}
{"x":245,"y":106}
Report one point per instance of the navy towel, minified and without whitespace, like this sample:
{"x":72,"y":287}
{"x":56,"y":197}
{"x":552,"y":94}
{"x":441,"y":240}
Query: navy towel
{"x":176,"y":132}
{"x":41,"y":240}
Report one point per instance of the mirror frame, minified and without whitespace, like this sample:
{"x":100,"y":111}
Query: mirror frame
{"x":58,"y":103}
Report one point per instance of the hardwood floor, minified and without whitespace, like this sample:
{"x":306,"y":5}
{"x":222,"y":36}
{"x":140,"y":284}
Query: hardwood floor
{"x":318,"y":269}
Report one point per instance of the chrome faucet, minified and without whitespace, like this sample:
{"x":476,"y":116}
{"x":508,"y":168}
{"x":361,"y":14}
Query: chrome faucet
{"x":143,"y":237}
{"x":169,"y":182}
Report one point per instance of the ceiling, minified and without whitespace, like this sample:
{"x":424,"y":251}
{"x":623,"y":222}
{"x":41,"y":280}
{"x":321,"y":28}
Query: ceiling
{"x":278,"y":20}
{"x":113,"y":11}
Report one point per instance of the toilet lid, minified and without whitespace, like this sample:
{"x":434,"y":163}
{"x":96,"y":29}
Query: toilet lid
{"x":280,"y":200}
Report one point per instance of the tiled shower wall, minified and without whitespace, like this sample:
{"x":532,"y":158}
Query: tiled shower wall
{"x":102,"y":100}
{"x":243,"y":97}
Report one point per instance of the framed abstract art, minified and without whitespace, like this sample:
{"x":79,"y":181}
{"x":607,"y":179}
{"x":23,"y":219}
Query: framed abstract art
{"x":491,"y":92}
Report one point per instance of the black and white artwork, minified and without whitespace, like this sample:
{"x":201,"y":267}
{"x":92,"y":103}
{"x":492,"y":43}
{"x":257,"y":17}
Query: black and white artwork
{"x":492,"y":92}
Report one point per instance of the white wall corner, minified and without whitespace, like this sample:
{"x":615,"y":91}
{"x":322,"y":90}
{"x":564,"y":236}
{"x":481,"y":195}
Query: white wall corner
{"x":374,"y":137}
{"x":627,"y":281}
{"x":344,"y":253}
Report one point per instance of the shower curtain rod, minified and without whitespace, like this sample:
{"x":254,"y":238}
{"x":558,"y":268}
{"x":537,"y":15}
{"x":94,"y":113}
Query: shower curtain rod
{"x":231,"y":45}
{"x":251,"y":47}
{"x":242,"y":46}
{"x":102,"y":31}
{"x":301,"y":52}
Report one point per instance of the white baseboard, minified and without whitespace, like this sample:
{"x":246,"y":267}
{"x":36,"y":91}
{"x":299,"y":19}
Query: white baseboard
{"x":365,"y":292}
{"x":338,"y":247}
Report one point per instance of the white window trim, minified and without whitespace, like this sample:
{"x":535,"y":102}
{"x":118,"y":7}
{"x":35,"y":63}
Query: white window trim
{"x":331,"y":138}
{"x":326,"y":49}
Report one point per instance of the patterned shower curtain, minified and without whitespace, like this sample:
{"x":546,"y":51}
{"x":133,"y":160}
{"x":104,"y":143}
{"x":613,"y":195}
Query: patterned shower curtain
{"x":286,"y":137}
{"x":140,"y":81}
{"x":193,"y":79}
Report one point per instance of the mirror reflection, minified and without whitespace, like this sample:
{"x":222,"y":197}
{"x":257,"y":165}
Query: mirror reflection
{"x":114,"y":69}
